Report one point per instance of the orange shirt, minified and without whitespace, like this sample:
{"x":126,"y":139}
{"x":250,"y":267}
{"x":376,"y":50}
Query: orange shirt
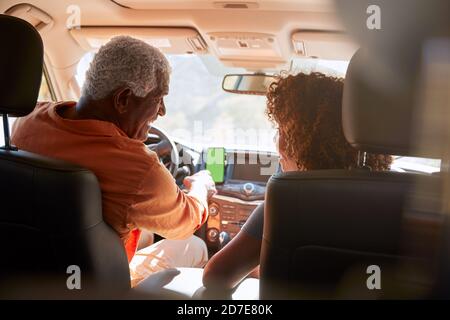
{"x":138,"y":192}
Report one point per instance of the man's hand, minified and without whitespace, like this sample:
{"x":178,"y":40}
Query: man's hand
{"x":201,"y":179}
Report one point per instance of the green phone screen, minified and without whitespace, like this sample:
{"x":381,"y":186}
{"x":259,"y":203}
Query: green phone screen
{"x":215,"y":163}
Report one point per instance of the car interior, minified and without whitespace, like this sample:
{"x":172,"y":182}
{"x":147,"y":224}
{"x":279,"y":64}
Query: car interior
{"x":322,"y":228}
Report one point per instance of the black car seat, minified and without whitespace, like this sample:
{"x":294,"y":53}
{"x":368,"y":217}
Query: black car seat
{"x":325,"y":230}
{"x":50,"y":211}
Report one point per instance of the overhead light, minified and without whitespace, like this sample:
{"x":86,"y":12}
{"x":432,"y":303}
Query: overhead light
{"x":246,"y":45}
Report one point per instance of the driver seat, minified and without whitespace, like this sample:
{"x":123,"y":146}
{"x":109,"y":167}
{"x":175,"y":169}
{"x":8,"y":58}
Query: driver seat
{"x":51,"y":224}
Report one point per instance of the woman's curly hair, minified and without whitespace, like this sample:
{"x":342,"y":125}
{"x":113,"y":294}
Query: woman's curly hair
{"x":307,"y":110}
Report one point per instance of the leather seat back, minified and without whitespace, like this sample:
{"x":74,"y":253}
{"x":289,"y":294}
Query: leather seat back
{"x":50,"y":210}
{"x":323,"y":230}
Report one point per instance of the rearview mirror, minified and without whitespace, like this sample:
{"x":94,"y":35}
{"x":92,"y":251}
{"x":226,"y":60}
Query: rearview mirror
{"x":247,"y":83}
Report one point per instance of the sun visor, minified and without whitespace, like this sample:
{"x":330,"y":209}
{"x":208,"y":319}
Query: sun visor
{"x":326,"y":45}
{"x":39,"y":19}
{"x":168,"y":40}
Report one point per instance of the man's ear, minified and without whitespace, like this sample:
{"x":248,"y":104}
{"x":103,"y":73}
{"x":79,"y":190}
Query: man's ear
{"x":121,"y":99}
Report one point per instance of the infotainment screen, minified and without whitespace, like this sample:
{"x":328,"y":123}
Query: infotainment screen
{"x":248,"y":170}
{"x":215,"y":163}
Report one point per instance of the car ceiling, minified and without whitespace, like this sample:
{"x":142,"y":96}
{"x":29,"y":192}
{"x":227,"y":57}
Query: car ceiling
{"x":280,"y":18}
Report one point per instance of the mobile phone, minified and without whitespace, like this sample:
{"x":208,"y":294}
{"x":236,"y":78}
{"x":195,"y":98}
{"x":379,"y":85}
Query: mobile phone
{"x":215,"y":163}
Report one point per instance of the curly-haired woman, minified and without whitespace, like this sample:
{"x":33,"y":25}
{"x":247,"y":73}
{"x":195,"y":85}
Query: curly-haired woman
{"x":307,"y":110}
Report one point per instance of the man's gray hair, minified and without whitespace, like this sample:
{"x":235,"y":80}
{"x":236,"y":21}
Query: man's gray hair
{"x":125,"y":61}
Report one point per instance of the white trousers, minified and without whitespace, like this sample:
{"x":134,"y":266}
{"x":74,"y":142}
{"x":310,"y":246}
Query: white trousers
{"x":164,"y":254}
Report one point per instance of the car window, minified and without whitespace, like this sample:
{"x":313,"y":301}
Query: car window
{"x":44,"y":91}
{"x":413,"y":164}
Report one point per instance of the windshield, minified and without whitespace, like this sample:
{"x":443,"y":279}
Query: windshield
{"x":333,"y":68}
{"x":198,"y":108}
{"x":199,"y":112}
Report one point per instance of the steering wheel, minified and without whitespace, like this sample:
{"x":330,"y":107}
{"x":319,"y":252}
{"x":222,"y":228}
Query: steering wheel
{"x":159,"y":142}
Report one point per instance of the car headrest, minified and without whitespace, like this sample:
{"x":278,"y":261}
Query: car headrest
{"x":378,"y":106}
{"x":21,"y":63}
{"x":404,"y":25}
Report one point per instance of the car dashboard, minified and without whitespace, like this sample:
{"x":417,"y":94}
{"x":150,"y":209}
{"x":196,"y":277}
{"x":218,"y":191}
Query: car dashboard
{"x":243,"y":188}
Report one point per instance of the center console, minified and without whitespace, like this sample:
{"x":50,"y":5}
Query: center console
{"x":241,"y":190}
{"x":228,"y":212}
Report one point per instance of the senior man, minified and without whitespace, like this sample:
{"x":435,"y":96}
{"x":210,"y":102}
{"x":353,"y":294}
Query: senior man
{"x":104,"y":132}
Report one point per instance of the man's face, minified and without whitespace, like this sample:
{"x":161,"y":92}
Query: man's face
{"x":139,"y":113}
{"x":150,"y":108}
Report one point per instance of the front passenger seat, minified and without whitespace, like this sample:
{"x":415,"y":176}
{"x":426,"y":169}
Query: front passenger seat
{"x":327,"y":231}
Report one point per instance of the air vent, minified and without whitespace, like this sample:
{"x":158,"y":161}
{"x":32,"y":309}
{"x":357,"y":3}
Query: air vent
{"x":236,"y":5}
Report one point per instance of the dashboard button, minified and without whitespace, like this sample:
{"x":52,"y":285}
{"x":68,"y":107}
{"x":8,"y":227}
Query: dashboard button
{"x":249,"y":188}
{"x":213,"y":210}
{"x":212,"y":235}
